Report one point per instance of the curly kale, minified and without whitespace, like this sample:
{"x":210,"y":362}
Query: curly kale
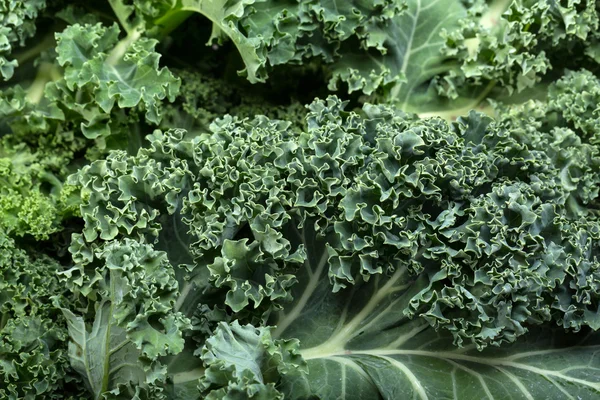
{"x":259,"y":199}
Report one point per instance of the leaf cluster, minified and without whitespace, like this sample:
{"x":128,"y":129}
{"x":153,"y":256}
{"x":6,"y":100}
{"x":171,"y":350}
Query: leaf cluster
{"x":260,"y":199}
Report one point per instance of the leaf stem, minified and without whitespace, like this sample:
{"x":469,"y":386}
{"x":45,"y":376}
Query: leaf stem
{"x":106,"y":364}
{"x":34,"y":51}
{"x":122,"y":11}
{"x":121,"y":48}
{"x":4,"y":320}
{"x":185,"y":291}
{"x":170,"y":21}
{"x":310,"y":288}
{"x":46,"y":73}
{"x":52,"y":179}
{"x":452,"y":114}
{"x":187,"y":376}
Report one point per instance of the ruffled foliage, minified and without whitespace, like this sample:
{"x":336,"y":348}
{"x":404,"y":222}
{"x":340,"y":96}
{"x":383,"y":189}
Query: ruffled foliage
{"x":34,"y":362}
{"x":176,"y":224}
{"x":482,"y":216}
{"x":17,"y":25}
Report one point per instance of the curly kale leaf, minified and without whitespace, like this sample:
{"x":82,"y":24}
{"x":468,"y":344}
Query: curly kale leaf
{"x":267,"y":33}
{"x":126,"y":73}
{"x":49,"y":126}
{"x":521,"y":46}
{"x":33,"y":334}
{"x":356,"y":235}
{"x":99,"y":71}
{"x":17,"y":25}
{"x":239,"y":192}
{"x":191,"y":230}
{"x":428,"y":57}
{"x":254,"y":376}
{"x":131,"y":294}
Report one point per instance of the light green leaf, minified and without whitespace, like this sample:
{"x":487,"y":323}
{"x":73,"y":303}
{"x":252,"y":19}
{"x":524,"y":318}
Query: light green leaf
{"x":225,"y":16}
{"x":245,"y":362}
{"x":405,"y":52}
{"x":103,"y":356}
{"x":125,"y":73}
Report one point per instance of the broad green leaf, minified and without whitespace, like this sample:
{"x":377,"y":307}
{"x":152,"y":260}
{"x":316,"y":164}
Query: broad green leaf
{"x":404,"y":52}
{"x":225,"y":16}
{"x":103,"y":355}
{"x":124,"y":73}
{"x":360,"y":344}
